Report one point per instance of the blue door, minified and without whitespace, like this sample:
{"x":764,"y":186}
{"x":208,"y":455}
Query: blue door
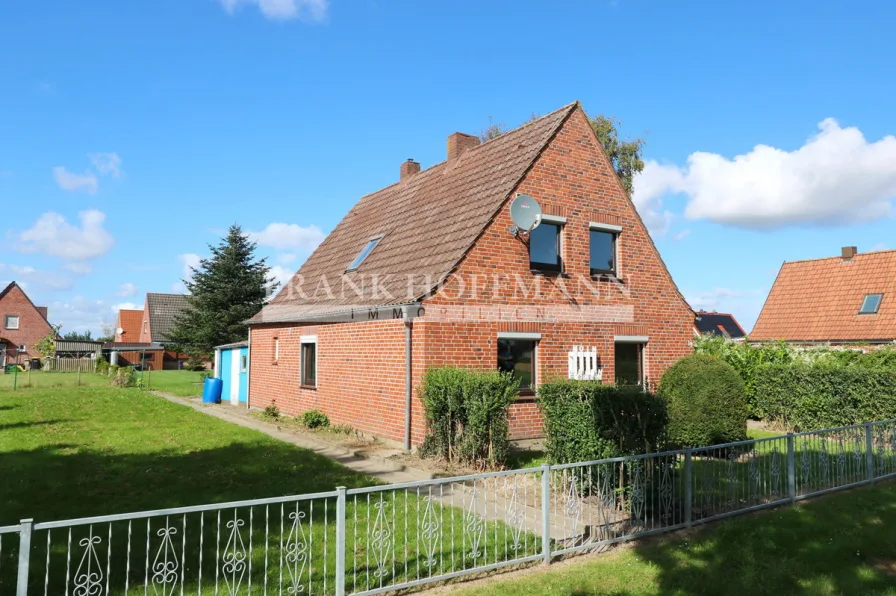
{"x":225,"y":374}
{"x":244,"y":374}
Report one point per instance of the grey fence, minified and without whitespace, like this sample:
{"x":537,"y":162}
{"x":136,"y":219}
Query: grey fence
{"x":385,"y":538}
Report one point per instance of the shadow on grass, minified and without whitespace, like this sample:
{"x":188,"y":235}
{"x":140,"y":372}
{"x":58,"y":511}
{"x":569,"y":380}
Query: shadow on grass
{"x":13,"y":425}
{"x":839,"y":544}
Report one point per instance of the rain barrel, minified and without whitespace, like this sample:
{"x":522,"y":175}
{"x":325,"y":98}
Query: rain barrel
{"x":211,"y":393}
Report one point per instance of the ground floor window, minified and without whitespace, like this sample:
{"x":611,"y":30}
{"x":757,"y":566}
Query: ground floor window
{"x":517,"y":356}
{"x":309,"y":362}
{"x":629,"y":363}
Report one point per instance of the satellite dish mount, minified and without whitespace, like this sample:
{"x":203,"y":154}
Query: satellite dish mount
{"x":525,"y":213}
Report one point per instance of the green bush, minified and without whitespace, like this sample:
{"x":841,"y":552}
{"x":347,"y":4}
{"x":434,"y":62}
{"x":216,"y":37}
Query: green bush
{"x":271,"y":411}
{"x":466,"y":414}
{"x":706,"y":400}
{"x":825,"y":395}
{"x":585,"y":420}
{"x":123,"y":376}
{"x":102,"y":366}
{"x":315,"y":419}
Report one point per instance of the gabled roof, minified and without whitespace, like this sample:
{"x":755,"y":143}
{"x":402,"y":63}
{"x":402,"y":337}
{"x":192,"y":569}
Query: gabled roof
{"x":718,"y":323}
{"x":42,"y":310}
{"x":819,"y":300}
{"x":428,"y":222}
{"x":163,"y":309}
{"x":129,"y":321}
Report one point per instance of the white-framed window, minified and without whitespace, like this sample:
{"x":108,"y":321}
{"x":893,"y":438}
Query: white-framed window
{"x":870,"y":304}
{"x":629,"y":359}
{"x":308,"y":352}
{"x":518,"y":354}
{"x":11,"y":321}
{"x":365,"y":252}
{"x":604,"y":248}
{"x":244,"y":362}
{"x":546,"y":244}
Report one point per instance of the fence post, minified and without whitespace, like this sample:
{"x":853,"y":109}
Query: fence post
{"x":688,"y":496}
{"x":791,"y":469}
{"x":24,"y":556}
{"x":546,"y":513}
{"x":340,"y":541}
{"x":869,"y":453}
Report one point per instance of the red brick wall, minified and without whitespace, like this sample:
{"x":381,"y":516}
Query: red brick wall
{"x":33,"y":327}
{"x":361,"y":365}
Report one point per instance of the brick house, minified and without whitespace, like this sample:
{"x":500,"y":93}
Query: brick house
{"x":841,"y":301}
{"x":429,"y":271}
{"x":22,"y":325}
{"x":141,"y":336}
{"x":718,"y":323}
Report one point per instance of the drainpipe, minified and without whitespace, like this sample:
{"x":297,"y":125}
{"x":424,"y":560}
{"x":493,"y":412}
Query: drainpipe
{"x":249,"y":370}
{"x":408,"y":384}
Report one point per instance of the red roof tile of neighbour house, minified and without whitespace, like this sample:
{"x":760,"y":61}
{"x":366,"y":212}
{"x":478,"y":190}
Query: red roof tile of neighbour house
{"x":129,"y":323}
{"x":428,"y":221}
{"x":820,"y":300}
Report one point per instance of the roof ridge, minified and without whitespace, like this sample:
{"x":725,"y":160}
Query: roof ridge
{"x":840,"y":258}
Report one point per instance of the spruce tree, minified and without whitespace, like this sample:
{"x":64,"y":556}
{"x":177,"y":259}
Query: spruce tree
{"x":227,"y":288}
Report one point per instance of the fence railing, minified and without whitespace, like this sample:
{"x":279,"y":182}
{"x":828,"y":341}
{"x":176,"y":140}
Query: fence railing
{"x":384,"y":538}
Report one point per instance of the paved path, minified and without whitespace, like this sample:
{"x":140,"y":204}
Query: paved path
{"x":378,"y":467}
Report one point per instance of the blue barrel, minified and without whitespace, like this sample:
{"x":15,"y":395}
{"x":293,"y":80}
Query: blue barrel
{"x":211,"y":392}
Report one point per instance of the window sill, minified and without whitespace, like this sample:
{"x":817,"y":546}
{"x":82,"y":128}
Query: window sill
{"x":608,"y":276}
{"x":548,"y":273}
{"x":525,"y":396}
{"x":313,"y":387}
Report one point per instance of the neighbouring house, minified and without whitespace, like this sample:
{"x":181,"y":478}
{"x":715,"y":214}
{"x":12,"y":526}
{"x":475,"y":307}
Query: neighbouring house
{"x":74,"y":356}
{"x":718,"y":323}
{"x":848,"y":300}
{"x":232,"y":367}
{"x":430,"y":271}
{"x":22,"y":325}
{"x":142,"y":336}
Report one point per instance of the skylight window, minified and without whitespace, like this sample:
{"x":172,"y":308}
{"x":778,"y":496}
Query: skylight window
{"x":365,"y":252}
{"x":871,"y":304}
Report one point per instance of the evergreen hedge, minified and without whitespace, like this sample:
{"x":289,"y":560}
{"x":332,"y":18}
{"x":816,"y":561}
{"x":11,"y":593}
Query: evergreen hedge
{"x":585,"y":420}
{"x":707,"y":402}
{"x":466,"y":414}
{"x":824,"y":395}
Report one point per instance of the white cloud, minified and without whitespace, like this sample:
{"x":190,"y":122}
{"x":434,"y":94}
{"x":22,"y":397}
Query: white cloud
{"x":53,"y":236}
{"x":836,"y":177}
{"x":286,"y":258}
{"x":80,"y":314}
{"x":285,"y":236}
{"x":106,"y":163}
{"x":79,"y":268}
{"x":127,"y":289}
{"x":179,"y":287}
{"x":649,"y":188}
{"x":71,"y":181}
{"x":125,"y":306}
{"x":190,"y":261}
{"x":283,"y":10}
{"x":281,"y":274}
{"x":713,"y":299}
{"x":29,"y":277}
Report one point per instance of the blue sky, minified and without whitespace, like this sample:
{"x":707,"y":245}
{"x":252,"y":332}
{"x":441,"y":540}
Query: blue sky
{"x":132,"y":134}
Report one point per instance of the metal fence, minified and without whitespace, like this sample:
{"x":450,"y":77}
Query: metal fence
{"x":384,"y":538}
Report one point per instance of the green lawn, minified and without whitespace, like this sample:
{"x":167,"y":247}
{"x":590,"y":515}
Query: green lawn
{"x":183,"y":383}
{"x":839,"y":544}
{"x":76,"y":452}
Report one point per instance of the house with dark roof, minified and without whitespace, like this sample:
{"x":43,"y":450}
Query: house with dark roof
{"x":718,"y":323}
{"x":432,"y":271}
{"x":848,"y":300}
{"x":141,"y":336}
{"x":22,"y":325}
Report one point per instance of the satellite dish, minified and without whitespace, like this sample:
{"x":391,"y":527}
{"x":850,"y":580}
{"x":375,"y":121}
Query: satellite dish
{"x":525,"y":213}
{"x":119,"y":331}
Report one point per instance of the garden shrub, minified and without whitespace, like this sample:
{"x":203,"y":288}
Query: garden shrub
{"x":315,"y":419}
{"x":706,"y":400}
{"x":466,"y":414}
{"x":194,"y":362}
{"x":102,"y":366}
{"x":124,"y":377}
{"x":825,"y":394}
{"x":585,"y":420}
{"x":271,"y":411}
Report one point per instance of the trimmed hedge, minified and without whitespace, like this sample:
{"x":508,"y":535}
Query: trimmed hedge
{"x":466,"y":414}
{"x":585,"y":420}
{"x":823,"y":395}
{"x":707,"y":402}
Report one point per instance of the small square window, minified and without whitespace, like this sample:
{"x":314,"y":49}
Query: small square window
{"x":244,"y":363}
{"x":871,"y":304}
{"x":309,"y":365}
{"x":365,"y":252}
{"x":544,"y":247}
{"x":603,"y":252}
{"x":517,"y":356}
{"x":11,"y":322}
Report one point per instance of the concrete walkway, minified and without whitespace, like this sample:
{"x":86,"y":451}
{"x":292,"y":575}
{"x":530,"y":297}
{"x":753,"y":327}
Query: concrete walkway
{"x":378,"y":467}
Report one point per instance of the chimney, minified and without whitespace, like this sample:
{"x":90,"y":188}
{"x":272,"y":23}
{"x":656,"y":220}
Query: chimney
{"x":460,"y":142}
{"x":408,"y":168}
{"x":848,"y":252}
{"x":42,"y":310}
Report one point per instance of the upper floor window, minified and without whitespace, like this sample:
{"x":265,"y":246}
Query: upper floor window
{"x":545,"y":249}
{"x":603,"y":239}
{"x":871,"y":304}
{"x":365,"y":252}
{"x":11,"y":322}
